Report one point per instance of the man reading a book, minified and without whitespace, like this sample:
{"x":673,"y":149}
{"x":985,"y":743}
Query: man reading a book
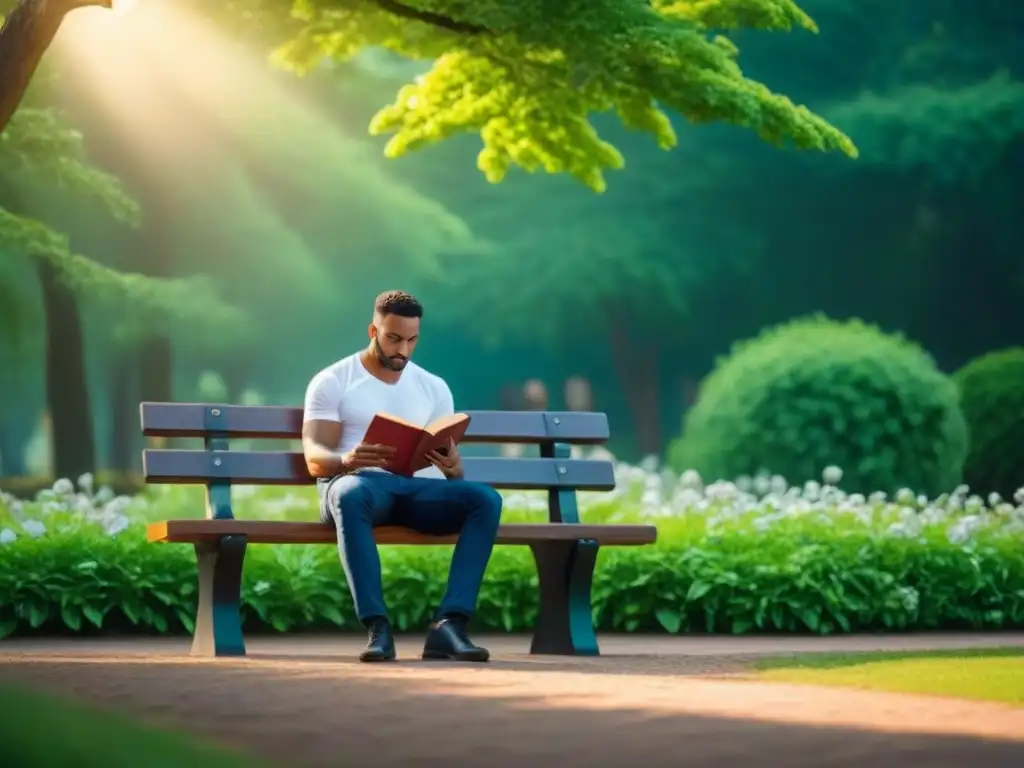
{"x":362,"y":486}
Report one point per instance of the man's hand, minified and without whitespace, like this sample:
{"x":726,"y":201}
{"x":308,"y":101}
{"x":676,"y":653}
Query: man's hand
{"x":367,"y":455}
{"x":450,"y":463}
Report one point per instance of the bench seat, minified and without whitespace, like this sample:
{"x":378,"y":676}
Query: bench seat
{"x":278,"y":532}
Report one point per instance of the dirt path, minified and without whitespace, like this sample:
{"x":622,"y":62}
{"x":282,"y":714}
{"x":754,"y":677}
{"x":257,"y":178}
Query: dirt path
{"x":666,"y":701}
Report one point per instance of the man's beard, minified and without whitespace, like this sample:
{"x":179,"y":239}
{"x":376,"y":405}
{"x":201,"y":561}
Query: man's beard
{"x":396,"y":363}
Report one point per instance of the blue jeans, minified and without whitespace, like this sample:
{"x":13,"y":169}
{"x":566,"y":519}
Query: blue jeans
{"x":357,"y":503}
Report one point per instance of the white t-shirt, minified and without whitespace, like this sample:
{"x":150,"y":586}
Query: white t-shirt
{"x":345,"y":391}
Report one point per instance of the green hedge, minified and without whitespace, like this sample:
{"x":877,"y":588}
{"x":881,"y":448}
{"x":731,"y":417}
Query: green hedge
{"x":815,"y":391}
{"x":770,"y":559}
{"x":992,"y":399}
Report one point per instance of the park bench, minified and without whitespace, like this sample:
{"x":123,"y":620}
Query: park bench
{"x":565,"y":550}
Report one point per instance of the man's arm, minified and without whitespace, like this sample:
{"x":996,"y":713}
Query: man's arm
{"x":321,"y":460}
{"x":321,"y":426}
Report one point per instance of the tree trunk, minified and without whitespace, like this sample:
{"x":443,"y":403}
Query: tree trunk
{"x":638,"y":372}
{"x":124,"y":412}
{"x":155,"y":362}
{"x":24,"y":37}
{"x":67,"y":392}
{"x":14,"y":439}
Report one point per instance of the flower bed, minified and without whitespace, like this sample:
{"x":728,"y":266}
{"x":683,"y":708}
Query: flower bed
{"x":752,"y":556}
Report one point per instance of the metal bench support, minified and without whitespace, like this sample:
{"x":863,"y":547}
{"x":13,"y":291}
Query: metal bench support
{"x":565,"y":625}
{"x":218,"y":630}
{"x":565,"y":572}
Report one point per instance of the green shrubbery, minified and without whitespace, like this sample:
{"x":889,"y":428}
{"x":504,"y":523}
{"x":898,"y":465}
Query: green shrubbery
{"x":741,"y":557}
{"x":992,"y":399}
{"x":815,"y":391}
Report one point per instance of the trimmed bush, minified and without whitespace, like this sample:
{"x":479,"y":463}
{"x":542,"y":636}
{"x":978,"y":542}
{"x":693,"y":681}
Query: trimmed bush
{"x":752,"y":556}
{"x":992,"y":400}
{"x":815,"y":391}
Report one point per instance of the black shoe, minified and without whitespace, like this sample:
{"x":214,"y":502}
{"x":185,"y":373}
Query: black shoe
{"x":380,"y":646}
{"x":447,"y":639}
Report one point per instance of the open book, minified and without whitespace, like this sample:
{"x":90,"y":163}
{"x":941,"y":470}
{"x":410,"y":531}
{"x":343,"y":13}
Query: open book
{"x":411,"y":442}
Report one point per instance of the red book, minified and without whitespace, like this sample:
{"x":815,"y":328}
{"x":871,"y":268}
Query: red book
{"x":411,"y":442}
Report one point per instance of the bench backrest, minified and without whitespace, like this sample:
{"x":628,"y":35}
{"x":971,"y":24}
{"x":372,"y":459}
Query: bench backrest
{"x":218,"y":467}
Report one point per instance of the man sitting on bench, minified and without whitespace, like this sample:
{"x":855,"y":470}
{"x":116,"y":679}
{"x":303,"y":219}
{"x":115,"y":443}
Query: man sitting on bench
{"x":357,"y":494}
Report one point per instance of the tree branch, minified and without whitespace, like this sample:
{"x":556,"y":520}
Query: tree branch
{"x":24,"y":37}
{"x":429,"y":17}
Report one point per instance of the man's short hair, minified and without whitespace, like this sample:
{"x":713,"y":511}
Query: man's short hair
{"x":398,"y":303}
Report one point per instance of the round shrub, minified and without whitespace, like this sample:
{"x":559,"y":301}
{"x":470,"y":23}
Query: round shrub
{"x":815,"y":392}
{"x":992,"y":400}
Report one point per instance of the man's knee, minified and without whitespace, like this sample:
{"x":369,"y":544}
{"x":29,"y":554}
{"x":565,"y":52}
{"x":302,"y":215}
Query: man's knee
{"x":485,"y":500}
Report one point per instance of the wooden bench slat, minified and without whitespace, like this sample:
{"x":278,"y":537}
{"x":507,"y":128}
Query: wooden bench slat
{"x":277,"y":532}
{"x":274,"y":421}
{"x":289,"y":468}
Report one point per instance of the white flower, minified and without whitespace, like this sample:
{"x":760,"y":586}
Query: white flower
{"x":960,"y":532}
{"x":85,"y":482}
{"x":691,"y":479}
{"x":7,"y":536}
{"x":910,"y":598}
{"x":778,"y":484}
{"x":33,"y":528}
{"x":904,"y":530}
{"x":994,"y":499}
{"x":63,"y":487}
{"x":832,"y":475}
{"x":116,"y":524}
{"x":650,"y":498}
{"x":905,"y":496}
{"x":649,"y":463}
{"x":1019,"y":496}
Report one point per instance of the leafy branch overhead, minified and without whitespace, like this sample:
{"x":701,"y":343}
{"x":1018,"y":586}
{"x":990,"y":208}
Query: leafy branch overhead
{"x":527,"y":74}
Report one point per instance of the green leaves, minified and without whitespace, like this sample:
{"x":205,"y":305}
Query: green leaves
{"x":527,"y":75}
{"x":807,"y":576}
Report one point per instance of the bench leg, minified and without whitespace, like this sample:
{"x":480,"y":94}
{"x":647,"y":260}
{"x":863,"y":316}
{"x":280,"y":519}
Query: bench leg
{"x":218,"y":629}
{"x":565,"y":625}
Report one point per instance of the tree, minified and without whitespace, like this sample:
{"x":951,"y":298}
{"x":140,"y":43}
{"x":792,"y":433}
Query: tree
{"x":525,"y":75}
{"x":39,"y":151}
{"x":528,"y":74}
{"x":25,"y":34}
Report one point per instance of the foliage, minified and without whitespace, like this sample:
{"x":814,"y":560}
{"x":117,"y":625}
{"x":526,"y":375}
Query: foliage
{"x":91,"y":738}
{"x":992,"y":399}
{"x":814,"y":390}
{"x":754,"y":555}
{"x":37,"y":148}
{"x":527,"y":75}
{"x":955,"y":135}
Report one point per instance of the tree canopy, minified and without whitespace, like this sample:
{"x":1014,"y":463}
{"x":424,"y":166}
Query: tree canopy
{"x":528,"y":74}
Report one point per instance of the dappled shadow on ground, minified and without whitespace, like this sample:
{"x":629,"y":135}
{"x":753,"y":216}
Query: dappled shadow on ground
{"x":307,"y":711}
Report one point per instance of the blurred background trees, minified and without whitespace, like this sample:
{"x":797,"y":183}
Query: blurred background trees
{"x":263,"y":199}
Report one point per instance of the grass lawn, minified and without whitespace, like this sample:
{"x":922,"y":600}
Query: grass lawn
{"x":45,"y":731}
{"x":990,"y":674}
